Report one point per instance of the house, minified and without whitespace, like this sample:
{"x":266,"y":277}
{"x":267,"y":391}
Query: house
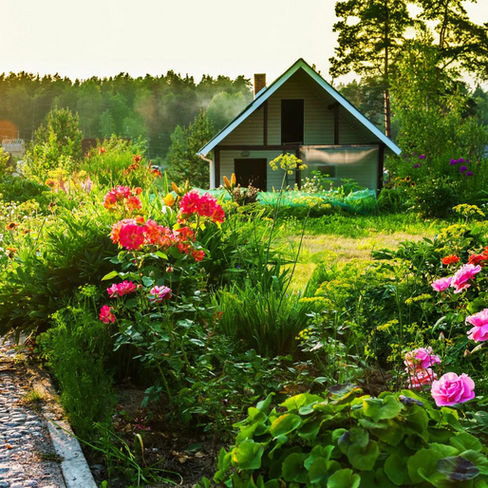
{"x":302,"y":114}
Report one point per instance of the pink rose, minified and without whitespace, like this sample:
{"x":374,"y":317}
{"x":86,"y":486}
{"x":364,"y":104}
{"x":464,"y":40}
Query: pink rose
{"x":462,"y":276}
{"x":421,"y":358}
{"x":421,"y":377}
{"x":121,"y":289}
{"x":106,"y":315}
{"x":478,"y":334}
{"x":451,"y":389}
{"x":160,"y":293}
{"x":442,"y":283}
{"x":478,"y":319}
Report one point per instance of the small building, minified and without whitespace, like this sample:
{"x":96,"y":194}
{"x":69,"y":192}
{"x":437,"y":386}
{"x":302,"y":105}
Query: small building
{"x":302,"y":114}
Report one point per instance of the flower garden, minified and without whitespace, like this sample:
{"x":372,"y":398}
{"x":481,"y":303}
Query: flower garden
{"x":368,"y":373}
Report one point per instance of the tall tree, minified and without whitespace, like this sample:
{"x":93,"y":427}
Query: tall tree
{"x":461,"y":43}
{"x":370,"y":39}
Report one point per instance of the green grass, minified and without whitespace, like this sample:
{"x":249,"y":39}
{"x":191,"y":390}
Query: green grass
{"x":343,"y":238}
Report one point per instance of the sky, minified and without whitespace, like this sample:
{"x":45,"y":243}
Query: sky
{"x":195,"y":37}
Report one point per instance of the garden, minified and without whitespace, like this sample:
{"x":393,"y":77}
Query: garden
{"x":220,"y":339}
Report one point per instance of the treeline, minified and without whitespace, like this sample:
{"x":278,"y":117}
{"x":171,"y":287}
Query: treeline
{"x":151,"y":107}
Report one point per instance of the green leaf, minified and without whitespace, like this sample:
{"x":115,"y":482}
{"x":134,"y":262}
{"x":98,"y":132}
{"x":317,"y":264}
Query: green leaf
{"x":263,"y":406}
{"x":382,"y":408}
{"x":392,"y":434}
{"x":363,"y":458}
{"x":247,"y":455}
{"x":285,"y":424}
{"x":457,"y":468}
{"x":293,"y":468}
{"x":443,"y":449}
{"x":466,"y":442}
{"x":425,"y":459}
{"x":478,"y":459}
{"x":395,"y":470}
{"x":310,"y":429}
{"x":110,"y":275}
{"x":298,"y":401}
{"x":147,"y":282}
{"x":344,"y":478}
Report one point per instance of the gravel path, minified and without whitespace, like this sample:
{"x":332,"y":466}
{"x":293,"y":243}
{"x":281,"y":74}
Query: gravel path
{"x":27,"y":456}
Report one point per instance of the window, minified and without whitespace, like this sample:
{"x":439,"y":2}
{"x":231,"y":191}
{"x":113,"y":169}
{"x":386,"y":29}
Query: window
{"x":292,"y":121}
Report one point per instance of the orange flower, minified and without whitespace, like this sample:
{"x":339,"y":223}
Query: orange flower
{"x":451,"y":259}
{"x":11,"y":226}
{"x":136,"y":158}
{"x":101,"y":150}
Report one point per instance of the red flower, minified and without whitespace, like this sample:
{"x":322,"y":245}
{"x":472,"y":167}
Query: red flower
{"x":106,"y":315}
{"x":478,"y":258}
{"x":451,"y":259}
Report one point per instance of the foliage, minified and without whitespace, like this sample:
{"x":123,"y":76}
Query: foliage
{"x":118,"y":161}
{"x":57,"y":144}
{"x":63,"y":251}
{"x":185,"y":164}
{"x":78,"y":349}
{"x":344,"y":439}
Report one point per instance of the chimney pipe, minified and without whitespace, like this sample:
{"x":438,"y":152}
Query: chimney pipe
{"x":259,"y":82}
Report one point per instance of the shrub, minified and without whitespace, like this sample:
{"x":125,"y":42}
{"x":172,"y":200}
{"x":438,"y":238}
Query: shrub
{"x":78,"y":348}
{"x":342,"y":439}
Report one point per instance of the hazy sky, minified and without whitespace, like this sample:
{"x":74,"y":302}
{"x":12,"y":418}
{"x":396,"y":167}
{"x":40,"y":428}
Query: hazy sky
{"x":106,"y":37}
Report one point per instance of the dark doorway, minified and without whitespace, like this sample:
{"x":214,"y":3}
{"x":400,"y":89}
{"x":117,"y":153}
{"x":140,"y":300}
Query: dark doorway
{"x":251,"y":172}
{"x":292,"y":121}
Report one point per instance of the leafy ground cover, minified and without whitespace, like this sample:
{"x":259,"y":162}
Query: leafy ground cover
{"x":196,"y":340}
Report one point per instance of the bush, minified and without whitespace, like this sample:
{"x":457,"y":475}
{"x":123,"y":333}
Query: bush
{"x":78,"y":348}
{"x":342,"y":439}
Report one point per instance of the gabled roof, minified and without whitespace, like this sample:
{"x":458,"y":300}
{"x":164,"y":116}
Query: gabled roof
{"x":265,"y":93}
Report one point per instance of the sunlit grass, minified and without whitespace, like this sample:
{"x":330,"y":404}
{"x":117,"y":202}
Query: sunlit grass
{"x":348,"y":239}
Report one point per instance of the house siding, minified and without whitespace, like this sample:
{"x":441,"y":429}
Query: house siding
{"x":250,"y":131}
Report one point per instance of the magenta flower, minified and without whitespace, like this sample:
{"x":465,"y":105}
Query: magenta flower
{"x":453,"y":161}
{"x":421,"y":358}
{"x":463,"y":169}
{"x":462,"y":276}
{"x":420,"y":378}
{"x":422,"y":156}
{"x":451,"y":389}
{"x":416,"y":165}
{"x":160,"y":293}
{"x":478,"y":334}
{"x":121,"y":289}
{"x":442,"y":283}
{"x":106,"y":315}
{"x":469,"y":173}
{"x":478,"y":319}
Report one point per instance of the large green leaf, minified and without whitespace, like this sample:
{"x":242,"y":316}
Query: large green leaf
{"x":293,"y":468}
{"x":344,"y":478}
{"x":466,"y":442}
{"x":248,"y":454}
{"x":477,"y":459}
{"x":395,"y":469}
{"x":363,"y":458}
{"x":382,"y":408}
{"x":285,"y":424}
{"x":424,"y":459}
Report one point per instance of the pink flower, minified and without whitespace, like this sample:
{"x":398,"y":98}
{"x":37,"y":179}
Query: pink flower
{"x":106,"y":315}
{"x":204,"y":205}
{"x":160,"y":293}
{"x":421,"y":358}
{"x":442,"y":283}
{"x":478,"y":334}
{"x":121,"y":289}
{"x":451,"y":389}
{"x":420,"y":378}
{"x":131,"y":236}
{"x":478,"y":319}
{"x":462,"y":276}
